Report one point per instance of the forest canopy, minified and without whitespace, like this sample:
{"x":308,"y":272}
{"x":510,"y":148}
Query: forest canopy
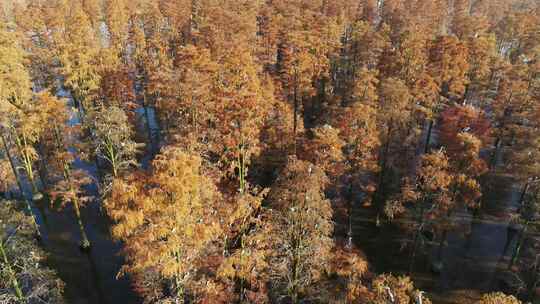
{"x":243,"y":151}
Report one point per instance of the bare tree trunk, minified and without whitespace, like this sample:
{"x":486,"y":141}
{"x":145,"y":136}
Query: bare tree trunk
{"x":19,"y":184}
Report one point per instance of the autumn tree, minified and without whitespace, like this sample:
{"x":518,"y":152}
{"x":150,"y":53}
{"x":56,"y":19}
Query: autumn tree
{"x":15,"y":94}
{"x":277,"y":140}
{"x":167,"y":222}
{"x":515,"y":34}
{"x":116,"y":19}
{"x":27,"y":127}
{"x":351,"y":269}
{"x":41,"y":26}
{"x":299,"y":228}
{"x":524,"y":159}
{"x":464,"y":131}
{"x":430,"y":192}
{"x":304,"y":55}
{"x":6,"y":176}
{"x":324,"y":149}
{"x":359,"y":64}
{"x":512,"y":103}
{"x":112,"y":139}
{"x":148,"y":60}
{"x":24,"y":278}
{"x":395,"y":110}
{"x":239,"y":112}
{"x":448,"y":65}
{"x":462,"y":118}
{"x":468,"y":162}
{"x":78,"y":57}
{"x":60,"y":147}
{"x":193,"y":108}
{"x":357,"y":125}
{"x":394,"y":289}
{"x":498,"y":298}
{"x":244,"y":269}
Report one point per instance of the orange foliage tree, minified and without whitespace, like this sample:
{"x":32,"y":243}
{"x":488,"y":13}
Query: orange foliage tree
{"x":299,"y":229}
{"x":167,"y":221}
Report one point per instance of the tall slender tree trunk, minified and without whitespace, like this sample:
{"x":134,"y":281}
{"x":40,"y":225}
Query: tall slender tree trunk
{"x":80,"y":107}
{"x":11,"y":274}
{"x":349,"y":224}
{"x":519,"y":244}
{"x":22,"y":146}
{"x":85,"y":243}
{"x":295,"y":112}
{"x":242,"y":168}
{"x":19,"y":184}
{"x":522,"y":194}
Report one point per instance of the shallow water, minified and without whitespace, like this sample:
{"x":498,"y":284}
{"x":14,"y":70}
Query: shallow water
{"x":89,"y":277}
{"x":474,"y":257}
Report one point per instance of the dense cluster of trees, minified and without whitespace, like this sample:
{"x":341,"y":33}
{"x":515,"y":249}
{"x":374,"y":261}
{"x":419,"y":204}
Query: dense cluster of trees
{"x":274,"y":121}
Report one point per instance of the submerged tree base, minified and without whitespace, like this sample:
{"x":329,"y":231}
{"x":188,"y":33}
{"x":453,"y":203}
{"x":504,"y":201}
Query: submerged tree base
{"x":85,"y":246}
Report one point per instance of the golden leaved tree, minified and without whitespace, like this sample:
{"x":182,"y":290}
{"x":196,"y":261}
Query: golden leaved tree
{"x":299,"y":229}
{"x":167,"y":221}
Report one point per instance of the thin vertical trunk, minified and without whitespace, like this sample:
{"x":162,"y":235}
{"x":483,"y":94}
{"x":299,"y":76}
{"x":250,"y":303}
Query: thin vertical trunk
{"x":519,"y":244}
{"x":349,"y":230}
{"x":19,"y":184}
{"x":22,"y":146}
{"x":241,"y":168}
{"x":80,"y":108}
{"x":295,"y":118}
{"x":111,"y":157}
{"x":85,"y":243}
{"x":522,"y":195}
{"x":11,"y":274}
